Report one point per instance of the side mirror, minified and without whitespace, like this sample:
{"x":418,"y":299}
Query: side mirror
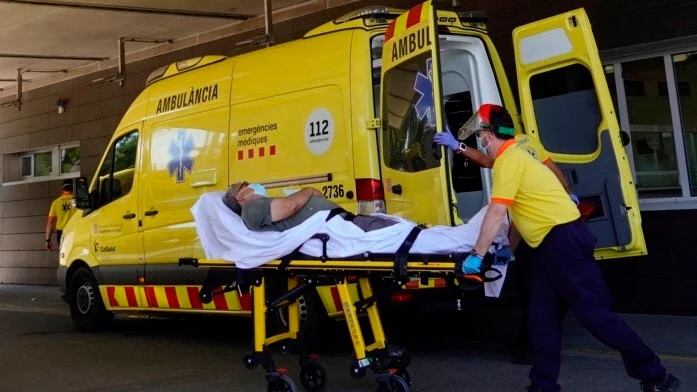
{"x":625,"y":138}
{"x":82,"y":195}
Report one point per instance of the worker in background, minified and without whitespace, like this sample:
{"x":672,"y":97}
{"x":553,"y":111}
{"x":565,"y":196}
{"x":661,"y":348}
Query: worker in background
{"x":564,"y":271}
{"x":521,"y":342}
{"x":60,"y":213}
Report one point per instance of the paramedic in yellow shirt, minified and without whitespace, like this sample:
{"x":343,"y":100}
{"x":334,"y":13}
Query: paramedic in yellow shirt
{"x":520,"y":344}
{"x":60,"y":213}
{"x":564,"y":272}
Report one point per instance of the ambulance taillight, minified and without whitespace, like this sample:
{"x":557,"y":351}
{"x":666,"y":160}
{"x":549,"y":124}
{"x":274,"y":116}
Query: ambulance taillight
{"x":370,"y":196}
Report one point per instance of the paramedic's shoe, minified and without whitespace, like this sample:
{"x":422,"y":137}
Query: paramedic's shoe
{"x":533,"y":388}
{"x":669,"y":384}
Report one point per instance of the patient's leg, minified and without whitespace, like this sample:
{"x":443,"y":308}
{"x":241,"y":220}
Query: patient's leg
{"x":369,"y":222}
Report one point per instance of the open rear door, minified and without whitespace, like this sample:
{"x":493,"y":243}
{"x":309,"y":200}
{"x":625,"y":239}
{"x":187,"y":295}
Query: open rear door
{"x":567,"y":107}
{"x":413,"y":170}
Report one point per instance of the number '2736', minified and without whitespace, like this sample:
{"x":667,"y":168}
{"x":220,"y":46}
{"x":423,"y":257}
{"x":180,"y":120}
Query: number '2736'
{"x":333,"y":191}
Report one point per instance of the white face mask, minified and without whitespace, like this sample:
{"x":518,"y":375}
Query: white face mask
{"x":258,"y":189}
{"x":481,"y":143}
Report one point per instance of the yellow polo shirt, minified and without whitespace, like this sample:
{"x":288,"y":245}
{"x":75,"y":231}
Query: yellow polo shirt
{"x":62,"y":209}
{"x":536,"y":200}
{"x":532,"y":147}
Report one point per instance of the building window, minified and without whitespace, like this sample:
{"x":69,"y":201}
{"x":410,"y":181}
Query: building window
{"x":70,"y":160}
{"x":651,"y":130}
{"x":685,"y":68}
{"x":652,"y":92}
{"x":48,"y":163}
{"x":43,"y":164}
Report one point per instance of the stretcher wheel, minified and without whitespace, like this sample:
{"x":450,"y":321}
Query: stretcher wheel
{"x":356,"y":371}
{"x":249,"y":361}
{"x":405,"y":375}
{"x":313,"y":377}
{"x":280,"y":384}
{"x":393,"y":383}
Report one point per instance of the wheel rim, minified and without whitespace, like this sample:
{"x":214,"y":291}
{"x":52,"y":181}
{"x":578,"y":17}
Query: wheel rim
{"x":312,"y":377}
{"x":84,"y":298}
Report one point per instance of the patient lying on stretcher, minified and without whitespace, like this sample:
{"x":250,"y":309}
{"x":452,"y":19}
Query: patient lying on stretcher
{"x":249,"y":229}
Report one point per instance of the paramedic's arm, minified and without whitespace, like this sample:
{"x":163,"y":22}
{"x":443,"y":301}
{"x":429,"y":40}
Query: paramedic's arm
{"x":50,"y":225}
{"x":284,"y":207}
{"x":557,"y":172}
{"x":477,"y":157}
{"x":490,"y":227}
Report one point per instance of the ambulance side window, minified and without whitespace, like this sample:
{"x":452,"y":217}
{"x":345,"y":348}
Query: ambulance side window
{"x":118,"y":169}
{"x":409,"y":124}
{"x":567,"y":110}
{"x":376,"y":44}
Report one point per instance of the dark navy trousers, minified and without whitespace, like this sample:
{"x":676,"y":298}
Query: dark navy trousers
{"x":566,"y":276}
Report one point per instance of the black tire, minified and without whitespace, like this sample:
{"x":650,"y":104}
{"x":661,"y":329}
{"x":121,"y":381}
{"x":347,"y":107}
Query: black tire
{"x":397,"y":384}
{"x":280,"y":384}
{"x":86,"y":306}
{"x":313,"y":377}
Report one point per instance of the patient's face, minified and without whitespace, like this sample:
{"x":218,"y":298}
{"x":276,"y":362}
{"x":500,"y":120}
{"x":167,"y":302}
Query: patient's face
{"x":245,"y":193}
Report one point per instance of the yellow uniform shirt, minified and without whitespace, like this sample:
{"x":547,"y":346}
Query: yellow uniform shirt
{"x":62,"y":209}
{"x":532,"y":147}
{"x":536,"y":199}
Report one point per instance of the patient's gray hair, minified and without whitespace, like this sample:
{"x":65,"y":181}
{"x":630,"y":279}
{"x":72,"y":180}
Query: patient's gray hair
{"x":230,"y":200}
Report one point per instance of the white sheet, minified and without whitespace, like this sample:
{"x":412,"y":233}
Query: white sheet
{"x":224,"y":236}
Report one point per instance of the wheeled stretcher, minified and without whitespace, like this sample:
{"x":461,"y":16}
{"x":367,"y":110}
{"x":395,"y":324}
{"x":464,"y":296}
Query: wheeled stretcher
{"x":388,"y":363}
{"x":327,"y":250}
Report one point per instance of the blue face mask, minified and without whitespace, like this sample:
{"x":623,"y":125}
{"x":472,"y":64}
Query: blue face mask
{"x":258,"y":189}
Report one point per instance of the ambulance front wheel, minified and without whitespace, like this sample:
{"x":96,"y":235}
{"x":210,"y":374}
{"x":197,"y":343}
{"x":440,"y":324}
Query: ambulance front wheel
{"x":86,"y":306}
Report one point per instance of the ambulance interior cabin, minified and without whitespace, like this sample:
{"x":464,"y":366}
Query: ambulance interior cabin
{"x":468,"y":81}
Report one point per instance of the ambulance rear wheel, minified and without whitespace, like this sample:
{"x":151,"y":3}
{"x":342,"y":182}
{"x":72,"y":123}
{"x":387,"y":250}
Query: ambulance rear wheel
{"x":86,"y":306}
{"x":280,"y":384}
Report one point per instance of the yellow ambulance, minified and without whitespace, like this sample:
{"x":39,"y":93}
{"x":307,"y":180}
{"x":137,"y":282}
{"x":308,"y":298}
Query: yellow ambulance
{"x":350,"y":109}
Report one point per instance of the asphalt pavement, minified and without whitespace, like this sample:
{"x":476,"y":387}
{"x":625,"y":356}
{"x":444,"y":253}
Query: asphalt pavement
{"x":40,"y":351}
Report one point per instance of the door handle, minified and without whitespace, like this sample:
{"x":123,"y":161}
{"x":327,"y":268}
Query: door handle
{"x":397,"y":189}
{"x":129,"y":216}
{"x":151,"y":212}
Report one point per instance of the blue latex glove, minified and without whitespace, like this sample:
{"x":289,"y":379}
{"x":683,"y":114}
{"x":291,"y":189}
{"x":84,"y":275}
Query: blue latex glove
{"x":503,"y":256}
{"x":446,"y":139}
{"x":472,"y":264}
{"x":574,"y":198}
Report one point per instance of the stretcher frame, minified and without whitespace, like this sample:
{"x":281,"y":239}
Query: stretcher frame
{"x":388,"y":363}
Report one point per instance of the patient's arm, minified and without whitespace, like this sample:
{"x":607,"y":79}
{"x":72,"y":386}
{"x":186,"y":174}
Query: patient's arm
{"x":490,"y":227}
{"x":285,"y":207}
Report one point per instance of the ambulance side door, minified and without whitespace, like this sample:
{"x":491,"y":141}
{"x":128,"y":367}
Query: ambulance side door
{"x":566,"y":106}
{"x":414,"y":173}
{"x":184,"y":157}
{"x":113,"y":219}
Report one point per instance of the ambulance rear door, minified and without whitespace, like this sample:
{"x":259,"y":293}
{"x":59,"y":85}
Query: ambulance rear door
{"x":415,"y":176}
{"x":566,"y":106}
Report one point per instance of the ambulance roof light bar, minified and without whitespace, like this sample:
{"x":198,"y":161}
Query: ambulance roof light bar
{"x":370,"y":12}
